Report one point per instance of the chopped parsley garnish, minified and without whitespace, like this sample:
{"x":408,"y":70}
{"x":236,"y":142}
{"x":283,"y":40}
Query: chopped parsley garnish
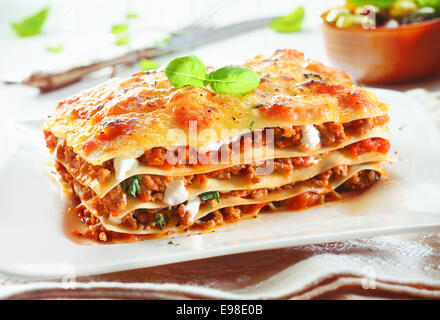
{"x":132,"y":186}
{"x":402,"y":127}
{"x":251,"y":125}
{"x":171,"y":243}
{"x":123,"y":40}
{"x":121,"y":31}
{"x":147,"y":64}
{"x":119,"y":28}
{"x":185,"y":202}
{"x":257,"y":106}
{"x":131,"y":15}
{"x":31,"y":25}
{"x":160,"y":220}
{"x":313,"y":76}
{"x":55,"y":49}
{"x":284,"y":102}
{"x":210,"y":195}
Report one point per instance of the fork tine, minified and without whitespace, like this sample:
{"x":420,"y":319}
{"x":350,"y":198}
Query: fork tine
{"x":203,"y":21}
{"x":210,"y":15}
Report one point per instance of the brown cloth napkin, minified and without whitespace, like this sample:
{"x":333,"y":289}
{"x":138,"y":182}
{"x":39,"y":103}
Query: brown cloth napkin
{"x":404,"y":266}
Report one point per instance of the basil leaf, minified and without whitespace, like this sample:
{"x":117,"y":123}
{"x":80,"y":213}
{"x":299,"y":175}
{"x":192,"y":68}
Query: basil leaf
{"x":131,"y":15}
{"x":147,"y":64}
{"x":234,"y":80}
{"x":210,"y":195}
{"x":124,"y":39}
{"x":289,"y":23}
{"x":119,"y":28}
{"x":186,"y":71}
{"x":55,"y":49}
{"x":32,"y":25}
{"x":382,"y":4}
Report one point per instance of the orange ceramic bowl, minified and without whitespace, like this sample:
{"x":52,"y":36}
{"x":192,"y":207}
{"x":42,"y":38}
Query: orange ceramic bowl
{"x":385,"y":55}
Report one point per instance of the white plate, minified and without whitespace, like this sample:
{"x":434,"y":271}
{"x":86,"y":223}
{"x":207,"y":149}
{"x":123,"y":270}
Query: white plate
{"x":34,"y":243}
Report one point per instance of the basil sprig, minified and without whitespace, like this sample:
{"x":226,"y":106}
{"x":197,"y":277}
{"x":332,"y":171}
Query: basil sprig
{"x":191,"y":71}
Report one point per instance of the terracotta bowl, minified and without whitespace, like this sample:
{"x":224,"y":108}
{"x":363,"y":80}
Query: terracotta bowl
{"x":385,"y":55}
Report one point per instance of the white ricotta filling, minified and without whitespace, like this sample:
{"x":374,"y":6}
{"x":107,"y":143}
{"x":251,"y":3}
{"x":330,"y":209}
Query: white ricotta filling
{"x":192,"y":207}
{"x":114,"y":220}
{"x":310,"y":137}
{"x":123,"y":165}
{"x":216,"y":145}
{"x":175,"y":192}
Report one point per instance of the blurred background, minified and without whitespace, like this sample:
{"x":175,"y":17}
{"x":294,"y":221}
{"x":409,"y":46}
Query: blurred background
{"x":84,"y":30}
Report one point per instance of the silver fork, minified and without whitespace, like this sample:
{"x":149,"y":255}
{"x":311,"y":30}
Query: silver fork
{"x":205,"y":21}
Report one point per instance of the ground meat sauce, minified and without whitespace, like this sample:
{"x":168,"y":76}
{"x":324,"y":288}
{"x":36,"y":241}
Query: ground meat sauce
{"x":361,"y":181}
{"x":369,"y":145}
{"x":140,"y":218}
{"x":94,"y":230}
{"x":51,"y":140}
{"x":80,"y":169}
{"x":152,"y":187}
{"x":330,"y":133}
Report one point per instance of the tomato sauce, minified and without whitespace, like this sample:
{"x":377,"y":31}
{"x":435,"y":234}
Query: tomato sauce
{"x":369,"y":145}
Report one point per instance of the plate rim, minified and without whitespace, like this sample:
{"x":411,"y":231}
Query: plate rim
{"x":258,"y":245}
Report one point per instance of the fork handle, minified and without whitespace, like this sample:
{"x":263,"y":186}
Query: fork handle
{"x":51,"y":81}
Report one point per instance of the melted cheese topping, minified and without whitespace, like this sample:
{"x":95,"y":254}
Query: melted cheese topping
{"x":122,"y":117}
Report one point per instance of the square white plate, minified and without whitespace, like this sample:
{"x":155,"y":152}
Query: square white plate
{"x":33,"y":243}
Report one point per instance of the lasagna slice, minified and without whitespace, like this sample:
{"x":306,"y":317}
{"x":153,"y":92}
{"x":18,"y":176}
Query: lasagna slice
{"x":146,"y":160}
